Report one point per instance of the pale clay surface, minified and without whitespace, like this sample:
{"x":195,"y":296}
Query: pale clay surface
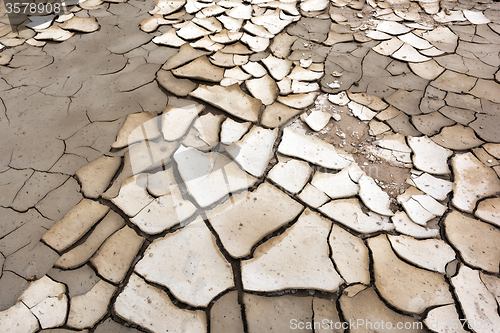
{"x":141,"y":184}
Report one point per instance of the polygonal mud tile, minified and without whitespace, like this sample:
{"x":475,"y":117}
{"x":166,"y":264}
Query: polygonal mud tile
{"x":302,"y":74}
{"x":435,"y":187}
{"x":298,"y":101}
{"x":255,"y":43}
{"x":389,"y":113}
{"x":232,"y":131}
{"x":278,"y":314}
{"x":281,"y":44}
{"x":74,"y":224}
{"x":278,"y":68}
{"x":189,"y":263}
{"x":285,"y":86}
{"x":204,"y":134}
{"x":378,"y":127}
{"x":150,"y":24}
{"x":316,"y":120}
{"x":81,"y":24}
{"x":95,"y":176}
{"x":429,"y":156}
{"x":461,"y":116}
{"x":151,"y":308}
{"x":230,"y":99}
{"x":313,"y":5}
{"x":392,"y":28}
{"x":349,"y":213}
{"x":234,"y":75}
{"x":454,"y":82}
{"x":401,"y":123}
{"x":406,"y":226}
{"x":478,"y":304}
{"x":271,"y":21}
{"x":444,"y":319}
{"x":200,"y":69}
{"x":254,"y":68}
{"x":371,"y":101}
{"x":432,"y":254}
{"x":209,"y":23}
{"x":225,"y":36}
{"x":339,"y":185}
{"x":277,"y":114}
{"x":312,"y":196}
{"x":137,"y":127}
{"x":335,"y":37}
{"x":442,"y":38}
{"x":210,"y":176}
{"x":133,"y":196}
{"x":263,"y":88}
{"x":230,"y":23}
{"x":186,"y":54}
{"x":19,"y":319}
{"x":164,"y":212}
{"x":145,"y":156}
{"x":388,"y":47}
{"x":80,"y":254}
{"x":485,"y":127}
{"x":373,"y":196}
{"x":457,"y":137}
{"x":493,"y":149}
{"x":225,"y":315}
{"x":277,"y":263}
{"x":361,"y":111}
{"x":54,"y":33}
{"x":192,"y":31}
{"x":367,"y":311}
{"x":250,"y":216}
{"x":225,"y":60}
{"x":47,"y":300}
{"x":313,"y":149}
{"x":292,"y":175}
{"x":169,"y":38}
{"x":410,"y":54}
{"x":177,"y":119}
{"x":350,"y":256}
{"x":476,"y":17}
{"x":486,"y":89}
{"x":114,"y":257}
{"x":87,"y":309}
{"x":179,"y":87}
{"x":489,"y":210}
{"x":475,"y":240}
{"x":406,"y":101}
{"x":237,"y":48}
{"x":473,"y":181}
{"x":404,"y":286}
{"x":421,"y":208}
{"x":254,"y":151}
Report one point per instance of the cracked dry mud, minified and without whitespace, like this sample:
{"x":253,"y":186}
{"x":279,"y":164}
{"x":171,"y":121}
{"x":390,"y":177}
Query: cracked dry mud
{"x":251,"y":166}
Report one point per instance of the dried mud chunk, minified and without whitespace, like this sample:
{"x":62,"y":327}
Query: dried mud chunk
{"x":276,"y":262}
{"x":406,"y":287}
{"x":476,"y":241}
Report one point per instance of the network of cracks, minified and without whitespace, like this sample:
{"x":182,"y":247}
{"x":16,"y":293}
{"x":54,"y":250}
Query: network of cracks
{"x":316,"y":166}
